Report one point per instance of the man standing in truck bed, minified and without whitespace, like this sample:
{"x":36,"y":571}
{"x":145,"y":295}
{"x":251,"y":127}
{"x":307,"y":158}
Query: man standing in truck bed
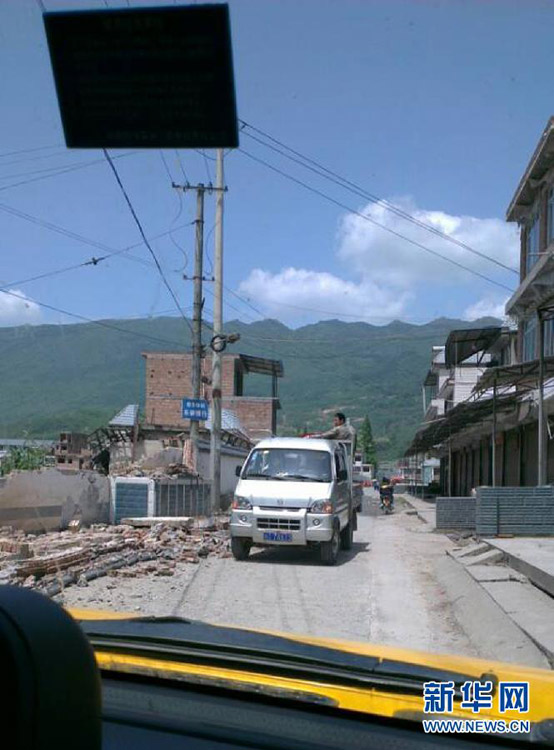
{"x":340,"y":431}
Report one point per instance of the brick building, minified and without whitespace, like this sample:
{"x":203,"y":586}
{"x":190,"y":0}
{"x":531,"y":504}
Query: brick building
{"x":169,"y":380}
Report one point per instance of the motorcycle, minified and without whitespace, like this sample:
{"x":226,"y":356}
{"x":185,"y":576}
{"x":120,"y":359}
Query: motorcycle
{"x":386,"y":500}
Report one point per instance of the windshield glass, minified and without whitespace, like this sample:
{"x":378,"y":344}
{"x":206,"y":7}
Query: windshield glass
{"x":279,"y":463}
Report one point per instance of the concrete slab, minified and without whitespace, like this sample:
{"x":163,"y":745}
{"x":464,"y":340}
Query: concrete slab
{"x":495,"y":573}
{"x":490,"y":557}
{"x":531,"y":610}
{"x":532,"y":556}
{"x":424,"y":509}
{"x":176,"y":521}
{"x":470,"y":550}
{"x":485,"y":622}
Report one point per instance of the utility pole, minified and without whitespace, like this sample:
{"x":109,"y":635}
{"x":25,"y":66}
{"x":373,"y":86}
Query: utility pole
{"x":219,"y":341}
{"x":541,"y":421}
{"x":493,"y":458}
{"x":197,"y":313}
{"x":215,"y":438}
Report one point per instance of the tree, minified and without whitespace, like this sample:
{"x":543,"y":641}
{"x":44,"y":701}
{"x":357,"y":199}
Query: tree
{"x":366,"y":443}
{"x":26,"y":458}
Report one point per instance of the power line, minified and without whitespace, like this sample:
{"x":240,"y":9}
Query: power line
{"x":57,"y":168}
{"x":48,"y":274}
{"x":361,"y":318}
{"x":157,"y":339}
{"x":95,"y":261}
{"x":337,"y":179}
{"x":208,"y":257}
{"x":166,"y":167}
{"x":144,"y":237}
{"x":178,"y":155}
{"x":228,"y":304}
{"x":203,"y":153}
{"x":373,"y":221}
{"x":206,"y":164}
{"x":246,"y":302}
{"x":28,"y":150}
{"x":52,"y":227}
{"x":101,"y":323}
{"x":82,"y":165}
{"x":180,"y":210}
{"x":33,"y":158}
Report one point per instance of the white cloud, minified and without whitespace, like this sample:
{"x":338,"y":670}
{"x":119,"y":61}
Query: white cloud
{"x":371,"y":249}
{"x":18,"y":310}
{"x":284,"y":294}
{"x":486,"y":308}
{"x":389,"y":271}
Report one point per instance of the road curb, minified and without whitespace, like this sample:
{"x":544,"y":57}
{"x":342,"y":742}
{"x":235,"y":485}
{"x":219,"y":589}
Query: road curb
{"x":425,"y":512}
{"x":484,"y":621}
{"x":528,"y":608}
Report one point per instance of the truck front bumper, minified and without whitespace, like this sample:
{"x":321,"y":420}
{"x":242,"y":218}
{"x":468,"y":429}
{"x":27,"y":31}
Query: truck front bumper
{"x":270,"y":526}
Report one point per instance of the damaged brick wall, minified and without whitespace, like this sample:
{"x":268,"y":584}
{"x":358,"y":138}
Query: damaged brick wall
{"x":257,"y":415}
{"x":168,"y":381}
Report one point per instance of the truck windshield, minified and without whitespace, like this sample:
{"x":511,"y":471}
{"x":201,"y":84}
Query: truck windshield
{"x":292,"y":465}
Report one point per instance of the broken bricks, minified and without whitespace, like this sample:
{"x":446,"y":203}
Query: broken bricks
{"x":50,"y":562}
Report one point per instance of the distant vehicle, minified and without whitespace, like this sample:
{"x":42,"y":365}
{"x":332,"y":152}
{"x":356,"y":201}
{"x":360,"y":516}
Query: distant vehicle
{"x":295,"y":492}
{"x":386,"y":495}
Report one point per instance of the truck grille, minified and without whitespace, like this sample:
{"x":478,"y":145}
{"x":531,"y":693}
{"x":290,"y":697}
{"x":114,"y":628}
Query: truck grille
{"x":279,"y":508}
{"x":279,"y":524}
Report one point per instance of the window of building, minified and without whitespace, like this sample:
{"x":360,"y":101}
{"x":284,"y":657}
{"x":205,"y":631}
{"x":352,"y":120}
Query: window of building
{"x":550,"y":216}
{"x":532,"y":246}
{"x":530,"y":339}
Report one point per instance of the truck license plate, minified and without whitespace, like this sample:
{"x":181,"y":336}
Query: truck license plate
{"x":277,"y":536}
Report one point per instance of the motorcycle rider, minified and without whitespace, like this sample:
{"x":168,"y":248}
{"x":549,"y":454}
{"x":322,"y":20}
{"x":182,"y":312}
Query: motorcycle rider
{"x":386,"y":490}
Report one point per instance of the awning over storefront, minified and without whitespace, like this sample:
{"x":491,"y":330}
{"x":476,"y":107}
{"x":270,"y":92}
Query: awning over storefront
{"x":524,"y":375}
{"x":462,"y":416}
{"x":464,"y":343}
{"x":262,"y":365}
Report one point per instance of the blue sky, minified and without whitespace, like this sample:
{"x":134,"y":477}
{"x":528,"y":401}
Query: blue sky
{"x":434,"y":105}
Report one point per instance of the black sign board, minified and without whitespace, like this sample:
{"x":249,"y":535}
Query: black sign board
{"x":148,"y":77}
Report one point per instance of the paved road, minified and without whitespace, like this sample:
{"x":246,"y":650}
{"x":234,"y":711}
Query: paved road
{"x":395,"y":587}
{"x":384,"y":590}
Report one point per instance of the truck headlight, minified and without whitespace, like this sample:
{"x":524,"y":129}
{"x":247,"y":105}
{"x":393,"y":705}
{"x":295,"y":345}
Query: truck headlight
{"x":322,"y":506}
{"x":241,"y":503}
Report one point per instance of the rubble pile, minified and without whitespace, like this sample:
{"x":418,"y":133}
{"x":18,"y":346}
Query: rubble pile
{"x":51,"y":562}
{"x":171,"y":471}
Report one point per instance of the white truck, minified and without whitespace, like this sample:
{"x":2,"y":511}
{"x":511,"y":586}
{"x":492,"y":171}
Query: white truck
{"x":295,"y":492}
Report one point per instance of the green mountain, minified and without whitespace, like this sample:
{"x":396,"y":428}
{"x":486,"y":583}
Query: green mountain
{"x":75,"y":377}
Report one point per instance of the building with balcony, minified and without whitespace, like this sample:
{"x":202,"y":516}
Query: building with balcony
{"x":532,"y":207}
{"x":437,"y":375}
{"x":503,"y":432}
{"x":458,"y":421}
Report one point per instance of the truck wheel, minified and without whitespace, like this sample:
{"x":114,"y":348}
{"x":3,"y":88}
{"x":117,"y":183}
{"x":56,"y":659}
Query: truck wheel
{"x":329,"y":551}
{"x":240,"y":547}
{"x":347,"y":534}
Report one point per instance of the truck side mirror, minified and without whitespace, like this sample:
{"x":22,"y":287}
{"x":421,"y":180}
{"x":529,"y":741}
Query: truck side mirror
{"x":238,"y":470}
